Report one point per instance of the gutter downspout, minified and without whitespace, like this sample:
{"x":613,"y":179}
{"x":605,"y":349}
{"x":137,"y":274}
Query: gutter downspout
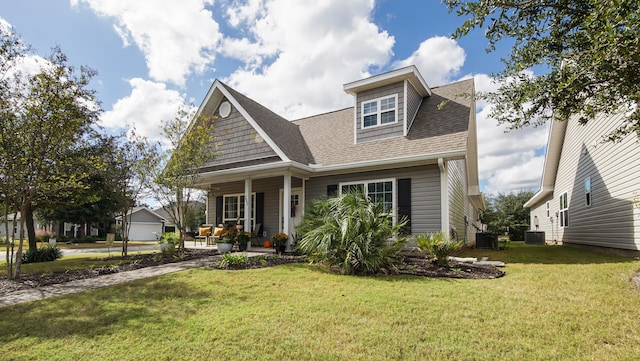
{"x":444,"y":196}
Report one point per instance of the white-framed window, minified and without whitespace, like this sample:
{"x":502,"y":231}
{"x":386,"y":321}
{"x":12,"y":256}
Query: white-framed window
{"x":380,"y":111}
{"x":587,"y":191}
{"x":564,"y":210}
{"x":548,"y":209}
{"x":380,"y":189}
{"x":233,"y":208}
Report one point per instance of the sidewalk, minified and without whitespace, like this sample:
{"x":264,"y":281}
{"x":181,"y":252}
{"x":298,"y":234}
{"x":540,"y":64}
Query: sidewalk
{"x":105,"y":280}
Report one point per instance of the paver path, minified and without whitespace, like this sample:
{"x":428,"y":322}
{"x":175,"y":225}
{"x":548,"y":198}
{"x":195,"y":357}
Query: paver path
{"x":101,"y":281}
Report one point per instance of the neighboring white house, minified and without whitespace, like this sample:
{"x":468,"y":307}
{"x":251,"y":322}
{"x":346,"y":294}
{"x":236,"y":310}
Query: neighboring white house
{"x":146,"y":225}
{"x":13,"y":221}
{"x":590,"y":189}
{"x":403,"y":142}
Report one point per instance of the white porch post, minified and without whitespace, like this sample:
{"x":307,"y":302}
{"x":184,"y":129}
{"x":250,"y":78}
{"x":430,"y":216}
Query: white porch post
{"x":286,"y":208}
{"x":247,"y":208}
{"x":444,"y":196}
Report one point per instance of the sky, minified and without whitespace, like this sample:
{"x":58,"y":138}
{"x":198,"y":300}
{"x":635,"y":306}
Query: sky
{"x":292,"y":56}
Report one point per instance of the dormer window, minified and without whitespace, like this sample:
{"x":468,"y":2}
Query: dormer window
{"x":380,"y":111}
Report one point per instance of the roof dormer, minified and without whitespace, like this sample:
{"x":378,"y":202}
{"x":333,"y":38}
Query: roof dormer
{"x":386,"y":104}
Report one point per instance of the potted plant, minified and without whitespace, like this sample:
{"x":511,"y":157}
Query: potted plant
{"x":280,"y":242}
{"x":243,"y":239}
{"x":226,"y":240}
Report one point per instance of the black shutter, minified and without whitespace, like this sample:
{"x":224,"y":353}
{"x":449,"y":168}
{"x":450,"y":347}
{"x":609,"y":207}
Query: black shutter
{"x":260,"y":211}
{"x":332,"y":190}
{"x":404,"y":203}
{"x":218,"y":210}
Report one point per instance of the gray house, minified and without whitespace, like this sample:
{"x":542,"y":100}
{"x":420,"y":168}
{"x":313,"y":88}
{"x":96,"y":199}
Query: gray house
{"x":403,"y":142}
{"x":590,"y":189}
{"x":145,"y":224}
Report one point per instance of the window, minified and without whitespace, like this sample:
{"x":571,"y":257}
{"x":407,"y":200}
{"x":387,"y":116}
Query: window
{"x":378,"y":190}
{"x":379,"y":111}
{"x":234,"y":208}
{"x":587,"y":191}
{"x":548,"y":206}
{"x":564,"y":210}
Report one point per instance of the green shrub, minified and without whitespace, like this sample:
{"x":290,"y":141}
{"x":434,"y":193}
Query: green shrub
{"x":231,"y":260}
{"x":350,"y":232}
{"x":168,"y":242}
{"x":43,"y":254}
{"x":439,"y":246}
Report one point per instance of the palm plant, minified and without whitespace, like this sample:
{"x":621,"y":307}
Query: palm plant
{"x":438,"y":246}
{"x":350,"y":232}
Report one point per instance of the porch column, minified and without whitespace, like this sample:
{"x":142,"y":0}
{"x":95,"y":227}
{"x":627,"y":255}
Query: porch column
{"x":247,"y":208}
{"x":286,"y":208}
{"x":444,"y":196}
{"x":247,"y":205}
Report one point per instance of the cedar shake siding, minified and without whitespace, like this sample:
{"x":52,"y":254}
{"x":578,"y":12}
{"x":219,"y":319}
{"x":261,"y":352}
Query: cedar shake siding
{"x":237,"y":141}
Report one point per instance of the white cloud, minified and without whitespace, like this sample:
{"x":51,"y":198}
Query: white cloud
{"x":176,"y":37}
{"x":439,"y":59}
{"x":298,"y":54}
{"x":507,"y":160}
{"x":148,"y":105}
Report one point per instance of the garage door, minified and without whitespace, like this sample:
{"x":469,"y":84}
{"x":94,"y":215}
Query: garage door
{"x":145,"y":231}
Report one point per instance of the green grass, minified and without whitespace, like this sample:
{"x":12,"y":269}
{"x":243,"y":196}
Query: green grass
{"x":554,"y":303}
{"x":71,"y":262}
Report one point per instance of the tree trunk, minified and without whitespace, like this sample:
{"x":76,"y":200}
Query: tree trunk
{"x":31,"y":231}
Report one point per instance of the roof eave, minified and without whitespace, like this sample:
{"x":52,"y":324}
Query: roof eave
{"x":409,"y":73}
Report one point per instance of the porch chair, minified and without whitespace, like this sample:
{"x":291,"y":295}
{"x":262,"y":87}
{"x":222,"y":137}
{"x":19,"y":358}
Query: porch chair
{"x":255,"y":234}
{"x":204,"y":232}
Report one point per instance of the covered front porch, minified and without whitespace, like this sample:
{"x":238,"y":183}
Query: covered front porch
{"x":264,"y":203}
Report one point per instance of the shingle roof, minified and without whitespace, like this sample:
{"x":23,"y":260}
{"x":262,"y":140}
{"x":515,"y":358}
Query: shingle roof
{"x":329,"y":136}
{"x":284,"y":133}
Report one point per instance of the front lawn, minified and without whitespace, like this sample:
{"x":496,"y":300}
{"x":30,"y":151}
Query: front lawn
{"x":554,"y":303}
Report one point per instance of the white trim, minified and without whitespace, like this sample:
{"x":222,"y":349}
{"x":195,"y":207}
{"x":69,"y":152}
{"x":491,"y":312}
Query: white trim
{"x":238,"y":195}
{"x":281,"y":207}
{"x":405,"y":121}
{"x":410,"y":73}
{"x":563,"y":222}
{"x":277,"y":168}
{"x":248,"y":197}
{"x":219,"y":86}
{"x":444,"y":195}
{"x":590,"y":202}
{"x":379,"y":111}
{"x":355,"y":120}
{"x":365,"y":182}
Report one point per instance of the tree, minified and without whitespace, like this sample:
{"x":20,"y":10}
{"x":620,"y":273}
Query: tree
{"x":590,"y":50}
{"x":351,"y":232}
{"x":132,"y":169}
{"x":45,"y":131}
{"x":506,"y":211}
{"x":191,"y":146}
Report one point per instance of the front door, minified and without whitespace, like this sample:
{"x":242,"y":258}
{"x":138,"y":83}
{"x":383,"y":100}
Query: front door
{"x":296,"y":208}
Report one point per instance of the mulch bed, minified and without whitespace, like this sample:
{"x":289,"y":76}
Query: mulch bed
{"x":412,"y":265}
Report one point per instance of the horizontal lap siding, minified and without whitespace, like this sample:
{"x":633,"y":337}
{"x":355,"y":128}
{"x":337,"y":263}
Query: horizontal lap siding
{"x":545,"y":224}
{"x":612,"y":220}
{"x":413,"y":103}
{"x":425,"y":192}
{"x":269,"y":186}
{"x":457,"y":196}
{"x":382,"y":131}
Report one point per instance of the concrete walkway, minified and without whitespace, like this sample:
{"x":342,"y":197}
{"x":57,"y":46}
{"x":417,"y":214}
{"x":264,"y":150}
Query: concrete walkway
{"x":104,"y":281}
